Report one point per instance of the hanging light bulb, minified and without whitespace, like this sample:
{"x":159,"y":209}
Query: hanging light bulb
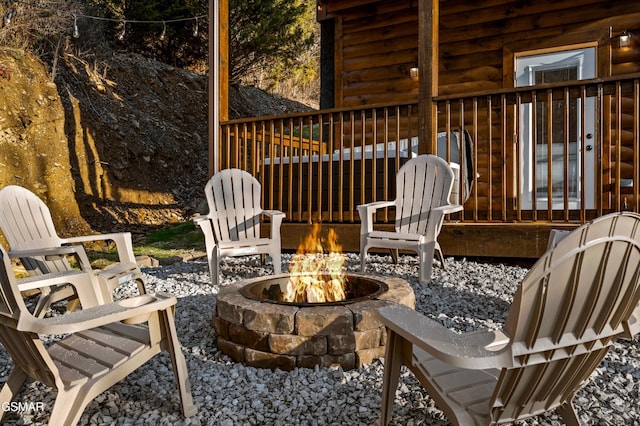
{"x":123,"y":32}
{"x":195,"y":29}
{"x":76,"y":33}
{"x":164,"y":31}
{"x":8,"y":17}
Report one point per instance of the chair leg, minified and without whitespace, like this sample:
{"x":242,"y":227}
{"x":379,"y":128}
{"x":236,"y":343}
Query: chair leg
{"x":214,"y":266}
{"x":179,"y":364}
{"x":391,"y":376}
{"x":425,"y":255}
{"x":363,"y":259}
{"x":394,"y":255}
{"x":568,"y":414}
{"x":69,"y":406}
{"x":141,"y":286}
{"x":12,"y":386}
{"x":43,"y":303}
{"x":276,"y":258}
{"x":440,"y":256}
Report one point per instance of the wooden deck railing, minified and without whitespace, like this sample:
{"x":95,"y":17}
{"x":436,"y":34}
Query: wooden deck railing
{"x":319,"y":166}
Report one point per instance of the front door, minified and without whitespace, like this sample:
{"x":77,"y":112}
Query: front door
{"x":552,"y":140}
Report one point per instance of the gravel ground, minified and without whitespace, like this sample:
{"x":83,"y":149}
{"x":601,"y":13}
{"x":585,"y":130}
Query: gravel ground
{"x":467,"y":296}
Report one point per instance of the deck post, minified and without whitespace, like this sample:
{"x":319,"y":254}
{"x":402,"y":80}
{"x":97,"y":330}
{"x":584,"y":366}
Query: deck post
{"x":428,"y":28}
{"x":218,"y":81}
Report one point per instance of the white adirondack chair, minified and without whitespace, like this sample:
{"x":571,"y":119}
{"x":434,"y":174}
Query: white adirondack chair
{"x":423,"y":186}
{"x":573,"y":304}
{"x":232,"y":226}
{"x":104,"y":343}
{"x":28,"y":227}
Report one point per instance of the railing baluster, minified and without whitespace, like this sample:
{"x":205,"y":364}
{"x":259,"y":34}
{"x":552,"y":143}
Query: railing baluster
{"x":618,"y":147}
{"x":341,"y":170}
{"x":518,"y":156}
{"x":503,"y":192}
{"x":636,"y":144}
{"x":565,"y":162}
{"x":582,"y":148}
{"x":549,"y":128}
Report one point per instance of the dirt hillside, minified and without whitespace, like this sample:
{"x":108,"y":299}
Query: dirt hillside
{"x":112,"y":144}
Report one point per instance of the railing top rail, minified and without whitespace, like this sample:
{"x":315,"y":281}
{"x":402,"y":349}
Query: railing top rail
{"x":478,"y":94}
{"x":537,"y":88}
{"x":318,"y":112}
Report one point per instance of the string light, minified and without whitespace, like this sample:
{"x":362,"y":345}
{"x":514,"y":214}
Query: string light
{"x":164,"y":31}
{"x":7,"y":18}
{"x":76,"y":33}
{"x":124,"y":31}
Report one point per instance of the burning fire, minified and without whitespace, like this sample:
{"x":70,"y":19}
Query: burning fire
{"x":317,"y":276}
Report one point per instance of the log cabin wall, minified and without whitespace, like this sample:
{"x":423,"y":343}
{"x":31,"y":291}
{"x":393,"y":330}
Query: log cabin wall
{"x":376,"y":44}
{"x":623,"y":130}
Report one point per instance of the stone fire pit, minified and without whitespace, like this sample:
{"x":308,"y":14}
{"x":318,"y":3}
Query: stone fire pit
{"x":270,"y":334}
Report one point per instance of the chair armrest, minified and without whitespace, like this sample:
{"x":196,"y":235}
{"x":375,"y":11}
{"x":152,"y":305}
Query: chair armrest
{"x":370,"y":208}
{"x":366,"y":212}
{"x":450,"y":208}
{"x":85,"y":284}
{"x":198,"y":219}
{"x":205,"y":224}
{"x":73,"y":322}
{"x":276,"y":217}
{"x":273,"y":214}
{"x":124,"y":245}
{"x":50,"y":279}
{"x":55,"y":253}
{"x":472,"y":350}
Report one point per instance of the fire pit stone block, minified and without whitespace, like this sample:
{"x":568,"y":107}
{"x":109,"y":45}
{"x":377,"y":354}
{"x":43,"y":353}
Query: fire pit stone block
{"x":270,"y":318}
{"x":340,"y":344}
{"x":250,"y":338}
{"x":324,"y":320}
{"x":260,"y":359}
{"x":298,"y":345}
{"x":368,"y":339}
{"x":346,"y":361}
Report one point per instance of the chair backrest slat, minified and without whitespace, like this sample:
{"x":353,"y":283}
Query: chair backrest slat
{"x":233,"y":196}
{"x":422,"y":184}
{"x":26,"y":219}
{"x":27,"y":224}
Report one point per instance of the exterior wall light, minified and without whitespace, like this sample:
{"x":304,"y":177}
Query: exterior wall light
{"x":624,"y":39}
{"x":413,"y":72}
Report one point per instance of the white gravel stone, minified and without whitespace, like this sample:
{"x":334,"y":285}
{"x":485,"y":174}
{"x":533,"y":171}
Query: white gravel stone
{"x":467,"y":296}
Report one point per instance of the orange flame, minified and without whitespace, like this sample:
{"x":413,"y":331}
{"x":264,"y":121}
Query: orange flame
{"x":316,"y":276}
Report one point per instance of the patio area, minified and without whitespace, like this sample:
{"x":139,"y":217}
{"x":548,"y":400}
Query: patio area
{"x":468,"y":296}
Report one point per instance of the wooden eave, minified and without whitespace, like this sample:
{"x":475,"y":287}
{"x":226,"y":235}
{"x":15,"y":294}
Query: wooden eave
{"x":328,"y":9}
